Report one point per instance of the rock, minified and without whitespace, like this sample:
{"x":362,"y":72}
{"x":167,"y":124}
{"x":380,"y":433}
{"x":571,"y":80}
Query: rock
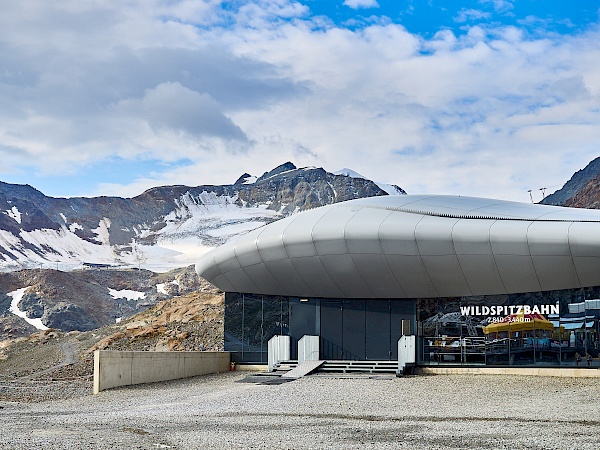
{"x":68,"y":317}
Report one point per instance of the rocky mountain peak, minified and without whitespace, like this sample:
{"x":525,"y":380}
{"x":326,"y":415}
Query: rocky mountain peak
{"x":577,"y":182}
{"x":285,"y":167}
{"x":164,"y":227}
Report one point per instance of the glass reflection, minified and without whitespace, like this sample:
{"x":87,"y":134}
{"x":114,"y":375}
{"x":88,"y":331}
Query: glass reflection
{"x":541,"y":329}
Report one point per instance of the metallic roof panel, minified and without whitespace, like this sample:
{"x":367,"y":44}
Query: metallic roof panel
{"x":413,"y":246}
{"x":555,"y":272}
{"x":434,"y":236}
{"x":517,"y":273}
{"x":472,"y":237}
{"x":481,"y":274}
{"x":411,"y":275}
{"x":397,"y":234}
{"x":509,"y":237}
{"x":446,"y":275}
{"x":314,"y":274}
{"x":347,"y":278}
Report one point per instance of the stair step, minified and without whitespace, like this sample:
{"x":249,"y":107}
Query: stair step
{"x":359,"y":367}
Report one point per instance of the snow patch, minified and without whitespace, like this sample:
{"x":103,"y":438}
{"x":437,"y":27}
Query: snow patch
{"x":102,"y":231}
{"x":14,"y":213}
{"x":74,"y":227}
{"x":349,"y":173}
{"x":17,"y":296}
{"x":390,"y":189}
{"x":126,"y":293}
{"x":160,"y":288}
{"x":250,"y":180}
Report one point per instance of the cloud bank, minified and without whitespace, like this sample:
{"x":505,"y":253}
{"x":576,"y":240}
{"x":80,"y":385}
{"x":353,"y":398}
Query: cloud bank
{"x":489,"y":110}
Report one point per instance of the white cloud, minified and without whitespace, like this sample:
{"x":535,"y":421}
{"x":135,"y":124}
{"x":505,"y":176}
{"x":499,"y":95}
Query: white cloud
{"x":357,"y":4}
{"x":501,"y":6}
{"x":466,"y":15}
{"x":172,"y":107}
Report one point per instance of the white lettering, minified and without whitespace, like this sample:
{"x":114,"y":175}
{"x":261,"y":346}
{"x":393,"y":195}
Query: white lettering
{"x":499,"y":310}
{"x":466,"y":310}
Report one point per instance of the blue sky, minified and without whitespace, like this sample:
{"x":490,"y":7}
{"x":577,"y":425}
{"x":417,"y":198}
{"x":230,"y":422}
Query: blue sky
{"x":484,"y":98}
{"x":428,"y":17}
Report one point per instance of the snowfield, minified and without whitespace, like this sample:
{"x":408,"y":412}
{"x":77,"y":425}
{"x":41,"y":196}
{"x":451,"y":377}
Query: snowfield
{"x":196,"y":226}
{"x":198,"y":223}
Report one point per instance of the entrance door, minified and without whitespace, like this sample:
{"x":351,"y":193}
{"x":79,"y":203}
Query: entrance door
{"x":343,"y":330}
{"x":353,"y":328}
{"x":361,"y":329}
{"x":377,"y":325}
{"x":332,"y":336}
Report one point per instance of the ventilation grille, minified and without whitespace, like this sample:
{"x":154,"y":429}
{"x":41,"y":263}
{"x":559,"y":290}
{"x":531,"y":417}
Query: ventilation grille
{"x":473,"y":216}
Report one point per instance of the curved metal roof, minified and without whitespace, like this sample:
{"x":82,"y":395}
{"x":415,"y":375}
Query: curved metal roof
{"x":413,"y":246}
{"x":475,"y":208}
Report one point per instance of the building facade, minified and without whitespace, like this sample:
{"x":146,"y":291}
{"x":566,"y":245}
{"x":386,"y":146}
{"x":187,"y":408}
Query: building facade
{"x":481,"y":281}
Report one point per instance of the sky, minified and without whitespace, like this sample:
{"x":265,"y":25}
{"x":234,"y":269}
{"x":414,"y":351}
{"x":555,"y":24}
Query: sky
{"x":488,"y":98}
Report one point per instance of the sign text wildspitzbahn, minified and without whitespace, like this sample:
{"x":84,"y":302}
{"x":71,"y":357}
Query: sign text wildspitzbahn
{"x":509,"y":313}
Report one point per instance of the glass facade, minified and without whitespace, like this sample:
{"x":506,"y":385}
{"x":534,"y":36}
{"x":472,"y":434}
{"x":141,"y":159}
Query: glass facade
{"x":250,"y":321}
{"x":348,"y":329}
{"x":555,"y":328}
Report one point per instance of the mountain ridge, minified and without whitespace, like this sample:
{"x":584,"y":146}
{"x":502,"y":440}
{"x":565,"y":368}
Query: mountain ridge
{"x":574,"y":185}
{"x":168,"y":225}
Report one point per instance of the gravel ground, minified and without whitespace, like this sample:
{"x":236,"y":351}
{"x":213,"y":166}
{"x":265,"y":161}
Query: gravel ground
{"x":229,"y":411}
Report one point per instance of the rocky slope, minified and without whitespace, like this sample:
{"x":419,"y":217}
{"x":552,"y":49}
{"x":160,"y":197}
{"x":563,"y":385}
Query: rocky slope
{"x":165,"y":227}
{"x":52,"y":364}
{"x":83,"y":300}
{"x":575,"y":185}
{"x":587,"y":197}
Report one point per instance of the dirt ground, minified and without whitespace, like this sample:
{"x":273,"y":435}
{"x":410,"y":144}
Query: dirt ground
{"x":39,"y":367}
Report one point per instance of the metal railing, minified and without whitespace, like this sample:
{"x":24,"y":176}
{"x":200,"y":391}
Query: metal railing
{"x":453,"y":350}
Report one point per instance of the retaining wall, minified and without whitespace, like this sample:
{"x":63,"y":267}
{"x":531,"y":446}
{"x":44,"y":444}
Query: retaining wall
{"x":114,"y":368}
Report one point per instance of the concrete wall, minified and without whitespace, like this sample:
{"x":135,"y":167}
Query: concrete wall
{"x":113,"y":368}
{"x":278,"y":350}
{"x":308,"y":349}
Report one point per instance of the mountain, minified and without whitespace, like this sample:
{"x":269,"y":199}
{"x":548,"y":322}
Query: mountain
{"x":164,"y":227}
{"x":576,"y":184}
{"x":189,"y":322}
{"x":391,"y":189}
{"x":82,"y":300}
{"x":587,"y":197}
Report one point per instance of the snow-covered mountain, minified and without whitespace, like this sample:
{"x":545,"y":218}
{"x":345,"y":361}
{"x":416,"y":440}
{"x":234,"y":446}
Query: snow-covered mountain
{"x":391,"y":189}
{"x":165,"y":227}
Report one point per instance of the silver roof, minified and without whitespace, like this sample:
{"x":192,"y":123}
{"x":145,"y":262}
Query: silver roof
{"x":413,"y":246}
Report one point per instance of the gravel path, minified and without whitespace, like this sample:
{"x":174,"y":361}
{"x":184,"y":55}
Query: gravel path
{"x":224,"y":412}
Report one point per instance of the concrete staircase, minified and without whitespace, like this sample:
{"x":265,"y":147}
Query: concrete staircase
{"x":359,"y":367}
{"x":372,"y":367}
{"x":284,"y":366}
